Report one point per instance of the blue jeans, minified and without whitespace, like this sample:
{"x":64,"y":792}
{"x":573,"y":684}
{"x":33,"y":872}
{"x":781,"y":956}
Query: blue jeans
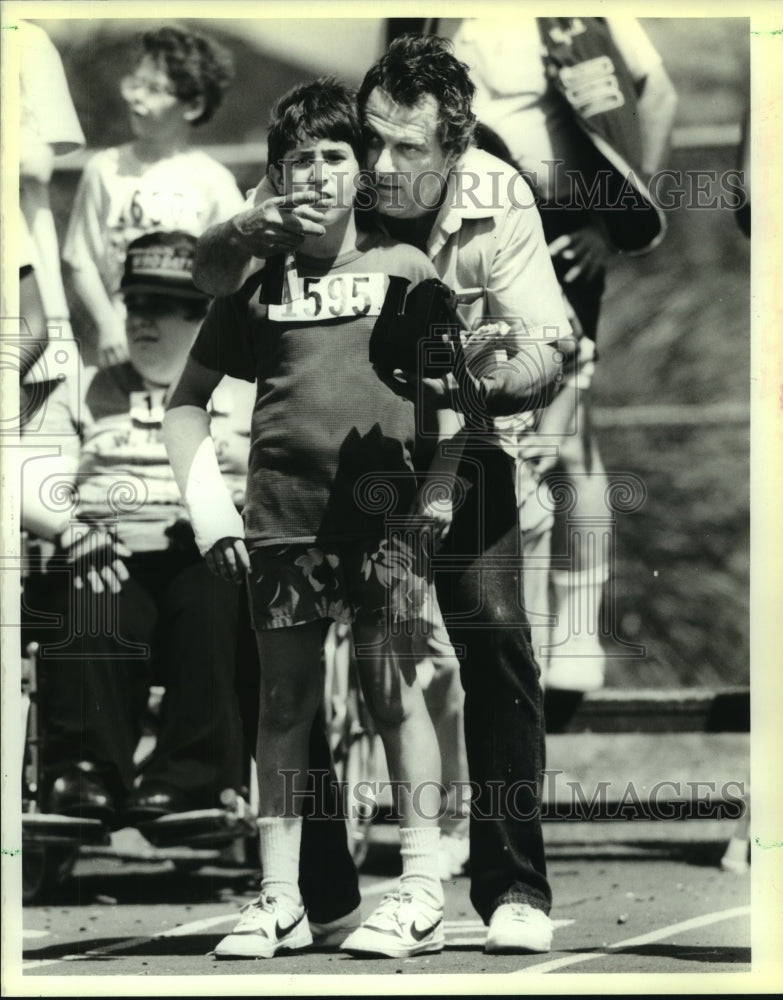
{"x":478,"y":578}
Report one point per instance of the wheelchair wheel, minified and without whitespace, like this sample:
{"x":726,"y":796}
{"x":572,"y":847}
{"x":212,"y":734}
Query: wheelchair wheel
{"x":44,"y":867}
{"x":351,"y":737}
{"x":359,"y":765}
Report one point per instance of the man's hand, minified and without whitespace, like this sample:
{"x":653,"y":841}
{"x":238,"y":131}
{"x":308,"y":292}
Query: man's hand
{"x":434,"y":392}
{"x":279,"y":224}
{"x":586,"y":248}
{"x":229,"y":560}
{"x":96,"y":555}
{"x":442,"y":392}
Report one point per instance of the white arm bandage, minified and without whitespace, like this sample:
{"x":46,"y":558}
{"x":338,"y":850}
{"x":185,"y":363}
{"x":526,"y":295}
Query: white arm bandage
{"x":192,"y":455}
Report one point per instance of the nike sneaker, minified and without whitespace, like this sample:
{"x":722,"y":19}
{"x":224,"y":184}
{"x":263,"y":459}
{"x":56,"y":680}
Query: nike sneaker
{"x":402,"y":926}
{"x":268,"y":925}
{"x":518,"y":927}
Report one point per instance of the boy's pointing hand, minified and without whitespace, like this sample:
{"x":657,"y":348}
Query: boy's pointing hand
{"x":279,"y":223}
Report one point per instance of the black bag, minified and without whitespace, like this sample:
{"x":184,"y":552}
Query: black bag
{"x":414,"y":329}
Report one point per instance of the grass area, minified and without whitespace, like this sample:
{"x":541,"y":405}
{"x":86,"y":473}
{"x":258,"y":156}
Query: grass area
{"x":675,"y":329}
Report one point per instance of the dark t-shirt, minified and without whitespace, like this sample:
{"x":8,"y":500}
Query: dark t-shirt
{"x":330,"y":444}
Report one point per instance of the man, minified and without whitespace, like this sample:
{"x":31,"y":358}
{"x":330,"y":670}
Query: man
{"x":578,"y":105}
{"x":126,"y":596}
{"x":416,"y":107}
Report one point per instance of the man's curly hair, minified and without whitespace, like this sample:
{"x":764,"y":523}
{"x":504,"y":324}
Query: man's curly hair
{"x":417,"y":65}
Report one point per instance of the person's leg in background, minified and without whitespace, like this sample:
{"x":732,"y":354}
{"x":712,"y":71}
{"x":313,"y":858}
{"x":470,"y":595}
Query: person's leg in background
{"x":439,"y":676}
{"x":197,"y":753}
{"x":575,"y":660}
{"x":93,"y":674}
{"x":577,"y":488}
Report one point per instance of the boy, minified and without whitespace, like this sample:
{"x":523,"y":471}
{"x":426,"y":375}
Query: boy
{"x":330,"y":444}
{"x":126,"y":582}
{"x":154,"y":182}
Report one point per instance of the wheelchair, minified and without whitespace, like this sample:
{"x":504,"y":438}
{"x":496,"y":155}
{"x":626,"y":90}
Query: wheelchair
{"x":51,"y":843}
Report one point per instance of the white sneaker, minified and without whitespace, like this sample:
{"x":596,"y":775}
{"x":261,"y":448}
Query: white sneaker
{"x":402,"y":925}
{"x":519,"y":927}
{"x":267,"y":926}
{"x":334,"y":932}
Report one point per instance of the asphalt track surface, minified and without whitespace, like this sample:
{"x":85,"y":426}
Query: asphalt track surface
{"x":639,"y":899}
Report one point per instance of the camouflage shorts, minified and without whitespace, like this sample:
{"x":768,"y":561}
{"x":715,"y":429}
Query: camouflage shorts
{"x":295,"y":584}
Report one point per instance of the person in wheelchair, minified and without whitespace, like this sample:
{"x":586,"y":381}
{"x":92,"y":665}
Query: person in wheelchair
{"x":125,"y":599}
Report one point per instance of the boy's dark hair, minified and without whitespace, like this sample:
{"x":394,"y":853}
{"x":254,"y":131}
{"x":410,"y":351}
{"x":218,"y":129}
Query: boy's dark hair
{"x":323,"y":109}
{"x":196,"y":65}
{"x":417,"y":65}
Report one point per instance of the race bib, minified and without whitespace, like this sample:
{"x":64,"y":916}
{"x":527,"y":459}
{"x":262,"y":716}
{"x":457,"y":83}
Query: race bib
{"x":147,"y":408}
{"x":335,"y":296}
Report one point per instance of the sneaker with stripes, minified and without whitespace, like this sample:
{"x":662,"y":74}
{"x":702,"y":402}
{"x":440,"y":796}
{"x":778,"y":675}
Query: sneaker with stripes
{"x":403,"y":925}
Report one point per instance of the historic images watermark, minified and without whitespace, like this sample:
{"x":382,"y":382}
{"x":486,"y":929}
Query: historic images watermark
{"x":605,"y":190}
{"x":324,"y":797}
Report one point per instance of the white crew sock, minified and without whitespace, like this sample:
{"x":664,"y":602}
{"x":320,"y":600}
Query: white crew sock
{"x":419,"y":850}
{"x":279,"y":844}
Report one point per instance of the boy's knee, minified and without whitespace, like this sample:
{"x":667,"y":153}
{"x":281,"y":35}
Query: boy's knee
{"x":387,"y":711}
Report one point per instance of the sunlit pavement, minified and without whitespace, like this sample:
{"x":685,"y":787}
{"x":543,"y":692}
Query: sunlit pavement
{"x":629,"y":898}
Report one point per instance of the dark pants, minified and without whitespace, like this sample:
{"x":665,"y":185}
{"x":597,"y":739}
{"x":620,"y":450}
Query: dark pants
{"x":173,"y":623}
{"x":478,"y":577}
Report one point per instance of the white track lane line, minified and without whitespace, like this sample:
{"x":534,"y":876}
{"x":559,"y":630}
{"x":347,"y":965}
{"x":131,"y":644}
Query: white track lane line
{"x":473,"y":932}
{"x":659,"y":935}
{"x":181,"y":931}
{"x":374,"y":890}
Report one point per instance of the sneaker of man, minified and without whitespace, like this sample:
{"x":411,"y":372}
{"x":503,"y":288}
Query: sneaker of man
{"x":518,"y":927}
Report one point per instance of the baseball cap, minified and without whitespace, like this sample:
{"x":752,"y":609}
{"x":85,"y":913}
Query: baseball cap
{"x":161,"y":264}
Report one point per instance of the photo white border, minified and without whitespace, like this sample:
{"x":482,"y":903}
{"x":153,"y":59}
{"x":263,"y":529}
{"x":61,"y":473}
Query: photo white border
{"x":766,"y":536}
